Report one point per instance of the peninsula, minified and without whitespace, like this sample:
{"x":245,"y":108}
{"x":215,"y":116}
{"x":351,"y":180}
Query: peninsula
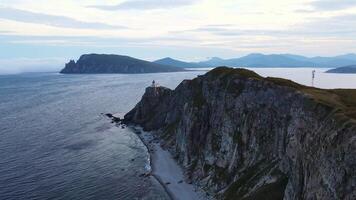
{"x":351,"y":69}
{"x":106,"y":64}
{"x":242,"y":136}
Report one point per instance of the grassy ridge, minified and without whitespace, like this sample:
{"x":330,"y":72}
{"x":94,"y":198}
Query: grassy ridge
{"x":342,"y":100}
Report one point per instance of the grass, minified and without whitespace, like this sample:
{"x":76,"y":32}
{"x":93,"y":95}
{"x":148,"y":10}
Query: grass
{"x":347,"y":97}
{"x":198,"y":97}
{"x":253,"y":174}
{"x":273,"y":191}
{"x":224,"y":72}
{"x":237,"y":189}
{"x":343,"y":101}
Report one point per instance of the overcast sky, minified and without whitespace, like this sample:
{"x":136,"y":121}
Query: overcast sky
{"x":50,"y":31}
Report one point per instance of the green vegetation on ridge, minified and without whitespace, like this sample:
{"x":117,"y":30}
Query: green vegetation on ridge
{"x":342,"y":100}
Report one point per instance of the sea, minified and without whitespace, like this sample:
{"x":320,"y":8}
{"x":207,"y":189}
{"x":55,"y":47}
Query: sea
{"x":55,"y":142}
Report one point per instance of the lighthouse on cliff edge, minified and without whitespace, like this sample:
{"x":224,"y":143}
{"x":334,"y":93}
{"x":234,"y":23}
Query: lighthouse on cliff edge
{"x":154,"y":84}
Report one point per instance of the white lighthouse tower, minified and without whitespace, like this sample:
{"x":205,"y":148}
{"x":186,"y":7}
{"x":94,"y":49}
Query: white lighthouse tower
{"x":154,"y":84}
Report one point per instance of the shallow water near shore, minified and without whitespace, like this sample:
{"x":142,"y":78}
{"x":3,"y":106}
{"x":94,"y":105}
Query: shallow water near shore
{"x":56,"y":144}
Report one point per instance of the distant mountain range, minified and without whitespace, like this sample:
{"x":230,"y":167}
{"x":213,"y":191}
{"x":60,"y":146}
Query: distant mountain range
{"x":104,"y":63}
{"x":109,"y":63}
{"x":263,"y":60}
{"x":351,"y":69}
{"x":176,"y":63}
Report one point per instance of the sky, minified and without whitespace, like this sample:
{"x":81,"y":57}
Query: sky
{"x":41,"y":35}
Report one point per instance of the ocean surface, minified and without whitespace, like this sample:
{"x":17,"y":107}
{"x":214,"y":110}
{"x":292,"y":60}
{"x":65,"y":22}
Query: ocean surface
{"x":56,"y":144}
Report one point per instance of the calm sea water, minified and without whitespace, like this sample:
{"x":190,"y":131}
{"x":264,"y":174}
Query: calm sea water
{"x":55,"y":144}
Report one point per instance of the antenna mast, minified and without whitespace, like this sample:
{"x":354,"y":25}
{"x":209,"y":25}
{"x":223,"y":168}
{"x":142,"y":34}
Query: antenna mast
{"x":313,"y":77}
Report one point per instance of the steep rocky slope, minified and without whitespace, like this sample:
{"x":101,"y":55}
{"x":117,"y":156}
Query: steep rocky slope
{"x":242,"y":136}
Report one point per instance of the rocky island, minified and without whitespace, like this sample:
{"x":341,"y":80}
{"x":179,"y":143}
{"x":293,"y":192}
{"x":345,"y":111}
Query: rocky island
{"x":108,"y":63}
{"x":242,"y":136}
{"x":351,"y":69}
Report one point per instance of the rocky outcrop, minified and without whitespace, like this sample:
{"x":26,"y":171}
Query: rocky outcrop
{"x":242,"y":136}
{"x":105,"y":63}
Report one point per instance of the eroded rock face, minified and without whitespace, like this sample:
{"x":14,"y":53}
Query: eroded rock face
{"x":241,"y":136}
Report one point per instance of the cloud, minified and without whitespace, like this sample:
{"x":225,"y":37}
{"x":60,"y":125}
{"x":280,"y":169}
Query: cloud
{"x":146,"y":4}
{"x":329,"y":5}
{"x":51,"y":20}
{"x":229,"y":30}
{"x":5,"y":32}
{"x":22,"y":65}
{"x":91,"y":41}
{"x":341,"y":26}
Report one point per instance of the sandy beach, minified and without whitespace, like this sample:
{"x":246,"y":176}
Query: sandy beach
{"x":166,"y":170}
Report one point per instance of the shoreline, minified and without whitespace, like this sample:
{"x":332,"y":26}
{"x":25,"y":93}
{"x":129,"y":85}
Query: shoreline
{"x":150,"y":173}
{"x":166,"y":170}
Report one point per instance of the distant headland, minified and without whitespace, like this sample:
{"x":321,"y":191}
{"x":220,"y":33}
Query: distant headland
{"x":351,"y":69}
{"x":109,"y":63}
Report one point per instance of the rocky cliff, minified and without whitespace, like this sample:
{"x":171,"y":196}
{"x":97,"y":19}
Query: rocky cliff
{"x":242,"y":136}
{"x":105,"y":63}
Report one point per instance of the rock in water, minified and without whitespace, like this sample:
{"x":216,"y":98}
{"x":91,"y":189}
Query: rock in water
{"x":109,"y":115}
{"x":243,"y":136}
{"x":114,"y":119}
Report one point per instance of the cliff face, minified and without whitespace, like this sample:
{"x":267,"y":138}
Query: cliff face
{"x":241,"y":136}
{"x":103,"y":63}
